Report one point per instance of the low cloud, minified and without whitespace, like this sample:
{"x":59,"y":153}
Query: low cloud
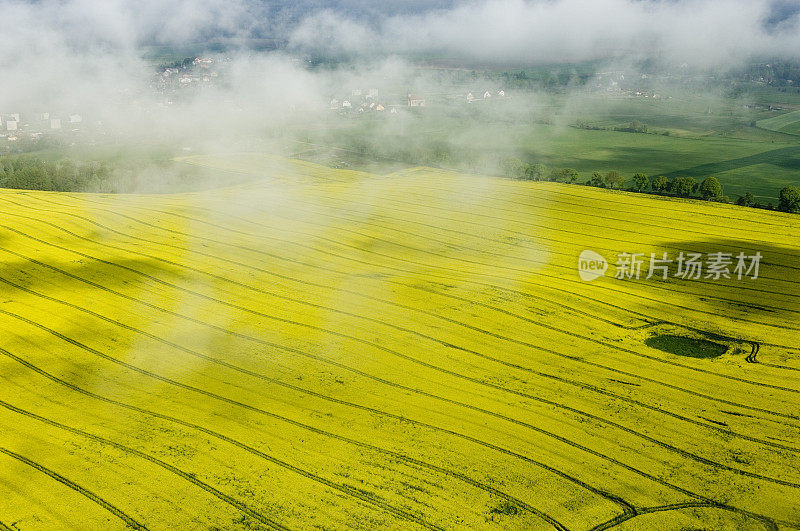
{"x":701,"y":32}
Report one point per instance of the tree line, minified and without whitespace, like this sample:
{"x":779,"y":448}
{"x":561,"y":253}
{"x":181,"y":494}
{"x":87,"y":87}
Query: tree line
{"x":709,"y":189}
{"x":31,"y":173}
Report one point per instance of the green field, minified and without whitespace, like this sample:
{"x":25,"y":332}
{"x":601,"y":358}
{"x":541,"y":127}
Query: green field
{"x":683,"y":139}
{"x":332,"y":349}
{"x":788,"y":123}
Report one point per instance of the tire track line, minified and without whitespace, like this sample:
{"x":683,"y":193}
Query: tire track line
{"x":535,"y":323}
{"x":657,"y":442}
{"x":769,"y":523}
{"x":609,"y":345}
{"x":166,"y":466}
{"x":385,"y":382}
{"x":345,"y":489}
{"x":604,"y":494}
{"x":782,"y":326}
{"x":129,"y":522}
{"x":391,"y":257}
{"x":559,"y":438}
{"x":318,"y":431}
{"x":546,"y":219}
{"x":453,"y":373}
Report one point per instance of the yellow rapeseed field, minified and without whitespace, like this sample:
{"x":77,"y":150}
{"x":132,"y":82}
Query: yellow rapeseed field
{"x":333,"y":349}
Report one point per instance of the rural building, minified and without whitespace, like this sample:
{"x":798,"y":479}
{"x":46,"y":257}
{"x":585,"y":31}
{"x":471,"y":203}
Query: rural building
{"x":415,"y":100}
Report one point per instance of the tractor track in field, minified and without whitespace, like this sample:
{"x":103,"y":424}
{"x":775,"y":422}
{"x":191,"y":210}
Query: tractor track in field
{"x":510,"y":192}
{"x":345,"y":489}
{"x":191,"y":478}
{"x":363,"y":295}
{"x":566,"y":441}
{"x":702,"y":233}
{"x":546,"y":375}
{"x":598,"y":205}
{"x":432,"y":186}
{"x":390,"y":227}
{"x":628,"y":510}
{"x":354,"y":371}
{"x":755,"y":347}
{"x":556,"y":329}
{"x":627,"y":507}
{"x":429,"y":238}
{"x":423,"y":393}
{"x":505,"y":230}
{"x":769,"y":524}
{"x":401,"y":457}
{"x":447,"y":371}
{"x":573,"y":358}
{"x":359,"y":249}
{"x":129,"y":521}
{"x":477,"y":381}
{"x":349,"y":258}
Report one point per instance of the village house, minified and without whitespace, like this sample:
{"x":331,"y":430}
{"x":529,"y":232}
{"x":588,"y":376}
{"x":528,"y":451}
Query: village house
{"x":415,"y":100}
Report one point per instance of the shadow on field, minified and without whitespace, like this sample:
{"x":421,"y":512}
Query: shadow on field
{"x":774,"y":295}
{"x":686,"y":346}
{"x":55,"y":277}
{"x":787,"y":157}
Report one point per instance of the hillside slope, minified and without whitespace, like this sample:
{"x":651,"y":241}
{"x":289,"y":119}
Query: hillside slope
{"x":335,"y":349}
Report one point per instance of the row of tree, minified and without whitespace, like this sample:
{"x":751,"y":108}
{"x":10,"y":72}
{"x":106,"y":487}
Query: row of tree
{"x":32,"y":173}
{"x":709,"y":189}
{"x":634,"y":127}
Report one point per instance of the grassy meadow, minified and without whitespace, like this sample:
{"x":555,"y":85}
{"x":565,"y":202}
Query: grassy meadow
{"x":692,"y":135}
{"x":337,"y":349}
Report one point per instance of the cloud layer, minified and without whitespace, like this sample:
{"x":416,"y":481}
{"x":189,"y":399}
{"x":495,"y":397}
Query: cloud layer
{"x":704,"y":32}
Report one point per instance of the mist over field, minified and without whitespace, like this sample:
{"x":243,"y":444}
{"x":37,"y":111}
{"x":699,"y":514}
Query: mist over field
{"x":283,"y":66}
{"x":88,"y":54}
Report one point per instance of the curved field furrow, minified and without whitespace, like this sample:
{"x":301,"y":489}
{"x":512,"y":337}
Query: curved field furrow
{"x":729,"y":432}
{"x":456,"y":259}
{"x":129,"y":522}
{"x":188,"y":477}
{"x":527,"y":344}
{"x":780,"y":324}
{"x":555,"y":404}
{"x":413,"y":349}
